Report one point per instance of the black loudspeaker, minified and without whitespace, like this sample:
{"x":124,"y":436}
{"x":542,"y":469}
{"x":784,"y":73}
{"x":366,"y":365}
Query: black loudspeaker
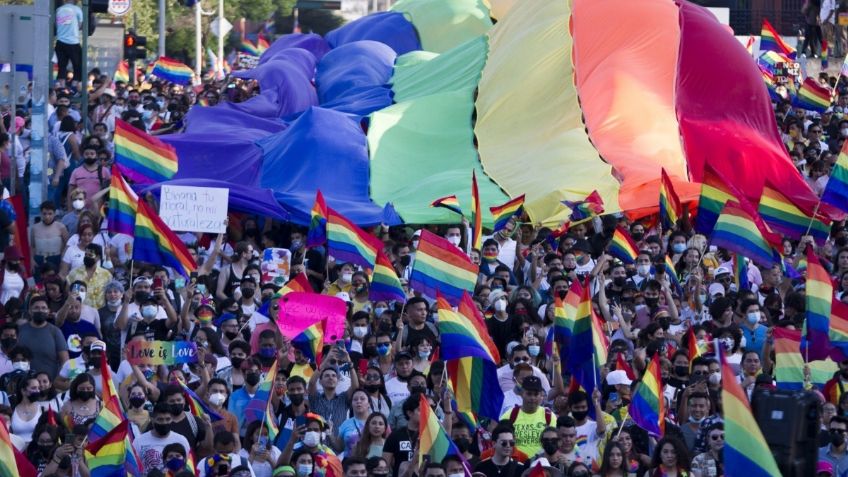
{"x":790,"y":424}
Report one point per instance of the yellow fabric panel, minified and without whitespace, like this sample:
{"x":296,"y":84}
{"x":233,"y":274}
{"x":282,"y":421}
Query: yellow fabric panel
{"x":529,"y":129}
{"x":499,"y":8}
{"x":444,"y":24}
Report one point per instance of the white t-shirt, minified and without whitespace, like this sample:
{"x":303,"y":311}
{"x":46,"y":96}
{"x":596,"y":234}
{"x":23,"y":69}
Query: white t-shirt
{"x":68,"y":22}
{"x":73,"y":257}
{"x":235,"y":461}
{"x":13,"y":285}
{"x":587,"y":440}
{"x":123,"y":243}
{"x":397,"y":390}
{"x":149,"y":449}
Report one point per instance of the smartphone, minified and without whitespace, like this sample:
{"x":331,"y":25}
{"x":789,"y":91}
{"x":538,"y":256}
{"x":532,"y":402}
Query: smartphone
{"x":299,"y":421}
{"x":157,"y":282}
{"x":263,"y":441}
{"x":75,"y":288}
{"x":179,"y":282}
{"x":340,"y":344}
{"x":193,"y":277}
{"x":69,"y":437}
{"x":201,"y":288}
{"x":223,"y":469}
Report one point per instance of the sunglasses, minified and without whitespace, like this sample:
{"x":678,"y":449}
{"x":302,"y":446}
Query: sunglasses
{"x":372,"y":377}
{"x":716,"y":437}
{"x":838,"y":431}
{"x":510,"y":443}
{"x":521,"y":360}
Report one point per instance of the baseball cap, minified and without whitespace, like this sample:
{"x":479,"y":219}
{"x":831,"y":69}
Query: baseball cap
{"x":531,"y":383}
{"x":619,"y":376}
{"x":722,"y":271}
{"x":824,"y":466}
{"x":403,"y":355}
{"x":716,"y":289}
{"x":97,"y":346}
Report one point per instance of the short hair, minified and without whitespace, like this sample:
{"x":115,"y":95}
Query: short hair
{"x":349,"y":462}
{"x":223,"y":437}
{"x":412,"y":403}
{"x":577,"y":396}
{"x":47,"y":205}
{"x":296,"y":380}
{"x":239,"y":344}
{"x":502,"y":429}
{"x":840,"y":419}
{"x":698,"y":396}
{"x":416,"y":300}
{"x":566,"y":421}
{"x":38,"y":298}
{"x":175,"y":447}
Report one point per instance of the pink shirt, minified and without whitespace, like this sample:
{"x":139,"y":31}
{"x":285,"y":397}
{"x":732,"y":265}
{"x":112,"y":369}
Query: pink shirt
{"x":89,"y":180}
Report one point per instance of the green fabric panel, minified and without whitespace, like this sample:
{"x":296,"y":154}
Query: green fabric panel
{"x":453,"y":70}
{"x":422,"y":150}
{"x":414,"y":57}
{"x":444,"y":24}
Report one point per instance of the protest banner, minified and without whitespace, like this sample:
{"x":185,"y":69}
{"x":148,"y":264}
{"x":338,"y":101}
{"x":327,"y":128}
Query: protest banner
{"x":247,"y":62}
{"x":276,"y":266}
{"x":299,"y":310}
{"x":194,"y":209}
{"x":161,"y":352}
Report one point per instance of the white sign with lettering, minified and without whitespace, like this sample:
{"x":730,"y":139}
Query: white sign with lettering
{"x":194,"y":209}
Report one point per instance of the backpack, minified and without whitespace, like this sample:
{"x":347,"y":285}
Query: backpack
{"x":513,"y":415}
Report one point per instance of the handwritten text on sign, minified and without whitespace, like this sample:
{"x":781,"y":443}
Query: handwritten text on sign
{"x":194,"y":209}
{"x":161,"y":352}
{"x":300,"y":310}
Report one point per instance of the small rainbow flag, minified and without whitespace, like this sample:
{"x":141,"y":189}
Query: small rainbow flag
{"x":248,"y":47}
{"x":156,"y":244}
{"x":746,"y":452}
{"x":670,"y":209}
{"x":671,"y":273}
{"x":122,"y":72}
{"x":742,"y":231}
{"x":789,"y":365}
{"x":838,"y":333}
{"x":172,"y":70}
{"x":433,"y":441}
{"x":385,"y":284}
{"x":622,"y":246}
{"x":141,"y":157}
{"x":582,"y":358}
{"x":770,"y":40}
{"x":770,"y":59}
{"x":715,"y":191}
{"x":600,"y":342}
{"x":693,"y":349}
{"x":476,"y":215}
{"x":812,"y":96}
{"x":260,"y":406}
{"x":771,"y":85}
{"x":262,"y":44}
{"x":298,"y":283}
{"x":7,"y":454}
{"x":111,"y":455}
{"x":441,"y":268}
{"x":449,"y":202}
{"x":587,"y":208}
{"x":785,"y":217}
{"x":463,"y":332}
{"x":819,"y":297}
{"x":740,"y":272}
{"x":112,"y":413}
{"x":122,"y":204}
{"x":310,"y":342}
{"x":749,"y":45}
{"x":347,"y":243}
{"x":503,"y":213}
{"x":647,"y":407}
{"x":317,"y":234}
{"x":196,"y":405}
{"x":836,"y":191}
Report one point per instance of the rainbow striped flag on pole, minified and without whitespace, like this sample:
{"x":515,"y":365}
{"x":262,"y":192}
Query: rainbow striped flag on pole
{"x":742,"y":231}
{"x":260,"y":407}
{"x":310,"y":342}
{"x":262,"y":44}
{"x":441,"y":268}
{"x":812,"y":96}
{"x":385,"y":284}
{"x":582,"y":356}
{"x":789,"y":365}
{"x":476,"y":215}
{"x":670,"y":209}
{"x":770,"y":40}
{"x":819,"y":297}
{"x":122,"y":72}
{"x":647,"y":408}
{"x":123,"y":202}
{"x":836,"y":191}
{"x":715,"y":191}
{"x":784,"y":217}
{"x":317,"y":234}
{"x":248,"y":47}
{"x":838,"y":332}
{"x":112,"y":413}
{"x":622,"y":246}
{"x":196,"y":405}
{"x":142,"y":157}
{"x":156,"y":244}
{"x":585,"y":209}
{"x":746,"y":452}
{"x":433,"y":441}
{"x":172,"y":70}
{"x":110,"y":456}
{"x":350,"y":244}
{"x":503,"y":213}
{"x":8,"y":468}
{"x":449,"y":202}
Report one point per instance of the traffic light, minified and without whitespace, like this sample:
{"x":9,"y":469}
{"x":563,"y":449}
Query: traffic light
{"x":134,"y":46}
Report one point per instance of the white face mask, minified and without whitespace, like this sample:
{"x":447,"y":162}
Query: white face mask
{"x":500,"y":305}
{"x":20,"y":365}
{"x":82,"y":296}
{"x":360,"y":331}
{"x":346,"y":277}
{"x":643,"y":270}
{"x":311,"y":439}
{"x":148,"y":312}
{"x":78,"y":204}
{"x":114,"y":303}
{"x":458,"y":474}
{"x":715,"y":378}
{"x":534,"y":350}
{"x":217,"y":399}
{"x":454,"y":239}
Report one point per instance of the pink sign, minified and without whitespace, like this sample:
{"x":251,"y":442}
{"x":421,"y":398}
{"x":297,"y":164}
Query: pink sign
{"x":299,"y":310}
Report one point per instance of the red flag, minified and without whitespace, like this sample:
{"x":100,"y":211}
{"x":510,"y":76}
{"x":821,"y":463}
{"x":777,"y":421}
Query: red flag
{"x":621,"y":364}
{"x":537,"y":471}
{"x":25,"y":467}
{"x":21,"y":234}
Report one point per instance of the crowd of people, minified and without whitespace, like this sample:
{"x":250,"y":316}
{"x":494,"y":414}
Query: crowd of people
{"x":82,"y":300}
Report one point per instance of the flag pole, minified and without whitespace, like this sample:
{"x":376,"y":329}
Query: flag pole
{"x":815,"y":211}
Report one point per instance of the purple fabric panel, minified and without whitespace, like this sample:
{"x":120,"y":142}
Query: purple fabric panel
{"x":204,"y":120}
{"x":220,"y":153}
{"x":310,"y":42}
{"x":391,"y":28}
{"x":354,"y":66}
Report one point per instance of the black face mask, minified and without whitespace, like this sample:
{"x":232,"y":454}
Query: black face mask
{"x":462,"y":444}
{"x":681,"y":370}
{"x":45,"y":450}
{"x":652,"y":302}
{"x":231,"y":335}
{"x":252,"y":379}
{"x":237,"y":362}
{"x":562,"y":294}
{"x":90,"y":160}
{"x":370,"y":351}
{"x":296,"y":399}
{"x":177,"y":409}
{"x":94,"y":361}
{"x":372,"y":388}
{"x":837,"y":439}
{"x":85,"y":395}
{"x":36,"y":396}
{"x":619,"y":281}
{"x":39,"y":317}
{"x":417,"y":389}
{"x":248,"y":292}
{"x":12,"y":267}
{"x":405,"y":260}
{"x":162,"y":429}
{"x":140,"y":296}
{"x":637,"y":236}
{"x":136,"y":402}
{"x":89,"y":262}
{"x":8,"y":343}
{"x":579,"y":415}
{"x":550,"y":446}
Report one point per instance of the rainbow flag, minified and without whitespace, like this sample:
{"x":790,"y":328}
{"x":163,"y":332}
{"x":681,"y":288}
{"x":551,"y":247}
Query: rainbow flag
{"x":693,"y":349}
{"x":310,"y":342}
{"x":740,"y":272}
{"x":770,"y":40}
{"x":262,"y":43}
{"x":740,"y":231}
{"x":441,"y":268}
{"x":476,"y":215}
{"x":771,"y":84}
{"x":647,"y":407}
{"x":503,"y":213}
{"x":838,"y":333}
{"x":770,"y":59}
{"x":260,"y":408}
{"x":7,"y":454}
{"x":463,"y":332}
{"x":449,"y":202}
{"x":350,"y":244}
{"x":670,"y":208}
{"x":565,"y":312}
{"x":112,"y":455}
{"x":812,"y":96}
{"x":600,"y":342}
{"x":671,"y":273}
{"x":836,"y":191}
{"x":317,"y":234}
{"x":715,"y":191}
{"x":746,"y":453}
{"x":432,"y":438}
{"x":622,"y":246}
{"x":475,"y":385}
{"x":156,"y":244}
{"x":141,"y":157}
{"x":749,"y":45}
{"x":819,"y":297}
{"x":582,"y":359}
{"x":248,"y":47}
{"x":298,"y":283}
{"x":784,"y":217}
{"x":196,"y":405}
{"x":789,"y":365}
{"x":122,"y":72}
{"x":172,"y":70}
{"x":112,"y":413}
{"x":385,"y":284}
{"x":122,"y":204}
{"x":587,"y":208}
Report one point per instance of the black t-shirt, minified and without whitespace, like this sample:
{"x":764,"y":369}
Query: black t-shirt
{"x":185,"y":429}
{"x":512,"y":469}
{"x":400,"y":444}
{"x":429,"y":331}
{"x":502,"y":332}
{"x":158,"y":327}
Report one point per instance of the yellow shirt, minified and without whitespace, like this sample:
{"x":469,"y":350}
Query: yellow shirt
{"x":528,"y":429}
{"x":95,"y":295}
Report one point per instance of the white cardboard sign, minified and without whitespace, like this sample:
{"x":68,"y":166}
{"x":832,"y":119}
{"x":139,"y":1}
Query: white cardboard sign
{"x":194,"y":209}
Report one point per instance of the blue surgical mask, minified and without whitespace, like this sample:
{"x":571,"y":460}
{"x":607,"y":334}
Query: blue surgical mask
{"x":384,"y":349}
{"x":678,"y":247}
{"x":267,"y":352}
{"x":534,"y":350}
{"x":378,"y":311}
{"x":175,"y":464}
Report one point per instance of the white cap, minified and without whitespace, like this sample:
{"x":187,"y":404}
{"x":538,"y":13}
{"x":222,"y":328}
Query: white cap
{"x":716,"y":289}
{"x":344,"y":296}
{"x":722,"y":271}
{"x":619,"y":376}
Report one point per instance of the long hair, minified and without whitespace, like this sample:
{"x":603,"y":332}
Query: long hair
{"x":365,"y":440}
{"x":679,"y":449}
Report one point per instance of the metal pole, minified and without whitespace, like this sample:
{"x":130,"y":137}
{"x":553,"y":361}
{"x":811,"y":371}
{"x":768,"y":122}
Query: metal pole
{"x":41,"y":78}
{"x":163,"y":4}
{"x":220,"y":64}
{"x":84,"y":79}
{"x":13,"y":97}
{"x":198,"y":39}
